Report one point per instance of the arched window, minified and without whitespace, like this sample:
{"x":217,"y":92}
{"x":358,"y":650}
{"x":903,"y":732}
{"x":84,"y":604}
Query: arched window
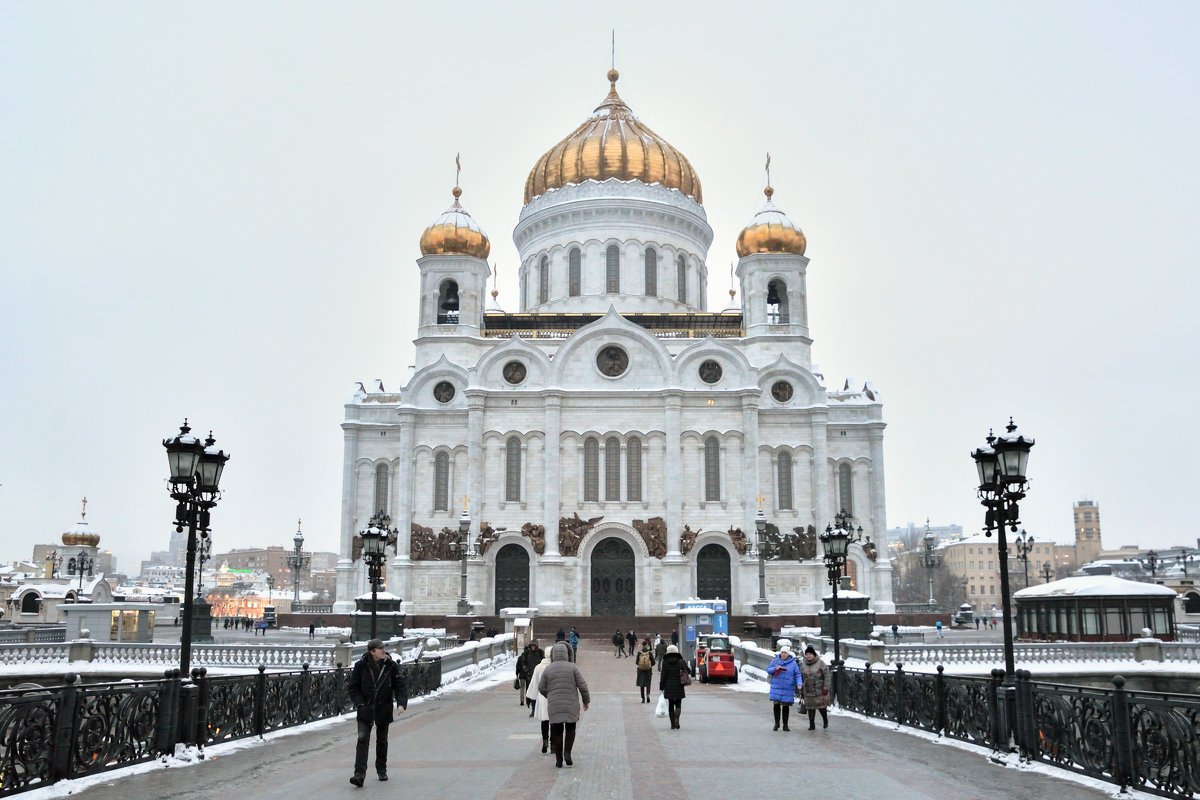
{"x":712,"y":469}
{"x":591,"y":470}
{"x":612,"y":469}
{"x":574,"y":277}
{"x":777,"y":302}
{"x":30,"y":603}
{"x":381,"y":488}
{"x":846,"y":488}
{"x":544,"y":280}
{"x":651,"y":272}
{"x":447,"y":310}
{"x":441,"y":482}
{"x":612,"y":270}
{"x":512,"y":469}
{"x":785,"y":481}
{"x":681,"y":279}
{"x":633,"y":470}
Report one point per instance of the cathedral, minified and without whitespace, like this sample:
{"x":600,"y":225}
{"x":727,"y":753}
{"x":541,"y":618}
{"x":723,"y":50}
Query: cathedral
{"x":613,"y":441}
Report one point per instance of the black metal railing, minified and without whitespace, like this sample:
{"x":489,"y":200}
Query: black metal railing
{"x":48,"y":734}
{"x":1143,"y":740}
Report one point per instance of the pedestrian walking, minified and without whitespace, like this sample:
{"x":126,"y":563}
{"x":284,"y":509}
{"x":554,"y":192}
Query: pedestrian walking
{"x":563,"y":686}
{"x":538,"y":701}
{"x":523,"y":672}
{"x":536,"y":656}
{"x":785,"y":681}
{"x":938,"y":625}
{"x":895,"y":632}
{"x":573,"y":640}
{"x":645,"y":670}
{"x":618,"y":644}
{"x":632,"y":642}
{"x":815,"y":688}
{"x":375,"y":684}
{"x":312,"y":630}
{"x":660,"y":649}
{"x":672,"y":681}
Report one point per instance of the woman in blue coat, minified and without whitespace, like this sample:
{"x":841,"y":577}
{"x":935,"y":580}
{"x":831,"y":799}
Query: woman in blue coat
{"x":784,"y":673}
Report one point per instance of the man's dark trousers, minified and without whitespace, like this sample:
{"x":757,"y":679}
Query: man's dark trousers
{"x":364,"y":743}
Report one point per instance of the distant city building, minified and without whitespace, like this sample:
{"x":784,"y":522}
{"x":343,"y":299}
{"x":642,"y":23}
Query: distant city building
{"x":975,"y":559}
{"x":1087,"y":531}
{"x":912,"y":535}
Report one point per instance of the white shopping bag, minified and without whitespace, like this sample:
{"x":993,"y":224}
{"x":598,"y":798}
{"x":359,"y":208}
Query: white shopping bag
{"x":661,"y":709}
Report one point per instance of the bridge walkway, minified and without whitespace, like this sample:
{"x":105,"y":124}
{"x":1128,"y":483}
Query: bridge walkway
{"x":478,"y":744}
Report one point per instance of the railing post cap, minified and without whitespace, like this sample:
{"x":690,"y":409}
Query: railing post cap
{"x":1118,"y":681}
{"x":940,"y":669}
{"x":70,"y":678}
{"x":262,"y":667}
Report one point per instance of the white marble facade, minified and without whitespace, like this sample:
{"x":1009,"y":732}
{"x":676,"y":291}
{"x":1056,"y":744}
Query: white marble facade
{"x":499,"y":408}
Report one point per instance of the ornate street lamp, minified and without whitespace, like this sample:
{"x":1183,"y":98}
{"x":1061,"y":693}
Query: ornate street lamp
{"x":1152,"y":561}
{"x":929,"y":559}
{"x":1024,"y":544}
{"x":297,"y":561}
{"x":465,"y":552}
{"x":836,"y":541}
{"x":1047,"y":572}
{"x":1184,"y":560}
{"x":374,"y":540}
{"x":195,"y":487}
{"x":760,"y":528}
{"x":81,"y":564}
{"x":1001,"y":466}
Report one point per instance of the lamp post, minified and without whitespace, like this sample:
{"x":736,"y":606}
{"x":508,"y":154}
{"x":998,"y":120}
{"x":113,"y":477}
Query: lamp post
{"x":81,"y":564}
{"x":760,"y":528}
{"x":1047,"y":572}
{"x":1024,"y":544}
{"x":465,"y":552}
{"x":1184,"y":560}
{"x":929,"y":559}
{"x":297,"y":561}
{"x":196,"y":469}
{"x":1152,"y":562}
{"x":1001,"y":467}
{"x":203,"y":556}
{"x":270,"y":590}
{"x":374,"y":540}
{"x":836,"y":541}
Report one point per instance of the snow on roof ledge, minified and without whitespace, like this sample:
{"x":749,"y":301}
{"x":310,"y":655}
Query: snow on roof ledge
{"x":1095,"y":586}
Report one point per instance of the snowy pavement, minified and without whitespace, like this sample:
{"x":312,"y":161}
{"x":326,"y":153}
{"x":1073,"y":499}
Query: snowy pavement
{"x":473,"y":740}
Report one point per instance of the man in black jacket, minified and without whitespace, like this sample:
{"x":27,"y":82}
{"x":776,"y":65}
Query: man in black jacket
{"x":375,"y":683}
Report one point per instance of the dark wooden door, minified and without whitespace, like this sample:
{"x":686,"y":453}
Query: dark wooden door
{"x":512,"y":577}
{"x":712,"y":574}
{"x":613,"y":582}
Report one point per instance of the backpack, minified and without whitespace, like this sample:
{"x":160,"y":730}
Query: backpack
{"x":643,"y":661}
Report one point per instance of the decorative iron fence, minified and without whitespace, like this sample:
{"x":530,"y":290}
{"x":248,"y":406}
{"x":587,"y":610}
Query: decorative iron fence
{"x":1144,"y":740}
{"x":48,"y":734}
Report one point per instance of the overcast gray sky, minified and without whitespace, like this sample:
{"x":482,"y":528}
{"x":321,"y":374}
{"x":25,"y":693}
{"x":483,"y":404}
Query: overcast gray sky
{"x":213,"y":210}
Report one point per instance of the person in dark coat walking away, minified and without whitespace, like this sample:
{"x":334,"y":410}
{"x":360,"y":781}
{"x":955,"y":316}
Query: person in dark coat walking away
{"x":312,"y":630}
{"x":563,"y":686}
{"x":815,"y":691}
{"x":375,"y":683}
{"x":534,"y":657}
{"x":660,"y":649}
{"x":645,"y":670}
{"x":618,"y":642}
{"x":670,"y":683}
{"x":785,"y":680}
{"x":631,"y":643}
{"x":523,"y":673}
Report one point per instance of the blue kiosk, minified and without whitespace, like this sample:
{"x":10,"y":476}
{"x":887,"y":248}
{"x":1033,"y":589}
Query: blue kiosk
{"x":694,"y":617}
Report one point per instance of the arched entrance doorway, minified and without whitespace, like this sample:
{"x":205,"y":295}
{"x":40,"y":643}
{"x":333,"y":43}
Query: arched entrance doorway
{"x":613,"y":581}
{"x":712,"y":574}
{"x":512,"y":577}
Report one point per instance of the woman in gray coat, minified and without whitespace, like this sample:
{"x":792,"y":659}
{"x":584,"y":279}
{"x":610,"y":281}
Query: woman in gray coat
{"x":563,"y":686}
{"x":815,"y":691}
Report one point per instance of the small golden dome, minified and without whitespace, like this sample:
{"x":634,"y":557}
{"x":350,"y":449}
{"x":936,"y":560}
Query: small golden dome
{"x":612,"y":143}
{"x":455,"y":233}
{"x":770,"y":232}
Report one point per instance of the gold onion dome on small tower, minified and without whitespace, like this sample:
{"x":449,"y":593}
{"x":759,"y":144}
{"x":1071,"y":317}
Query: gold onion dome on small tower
{"x":612,"y":143}
{"x":770,"y":232}
{"x":455,"y":232}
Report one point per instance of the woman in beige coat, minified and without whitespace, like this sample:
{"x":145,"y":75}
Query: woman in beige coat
{"x":538,"y":701}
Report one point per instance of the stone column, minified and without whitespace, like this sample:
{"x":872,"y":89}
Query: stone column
{"x":673,"y":474}
{"x":405,"y":484}
{"x":475,"y":465}
{"x":750,"y":484}
{"x":822,"y":502}
{"x":346,"y":574}
{"x":552,"y":479}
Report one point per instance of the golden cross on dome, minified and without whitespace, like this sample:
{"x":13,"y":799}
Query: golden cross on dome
{"x":768,"y":169}
{"x":760,"y":499}
{"x":613,"y":63}
{"x":464,"y":501}
{"x":83,"y":514}
{"x":457,"y":169}
{"x":297,"y":525}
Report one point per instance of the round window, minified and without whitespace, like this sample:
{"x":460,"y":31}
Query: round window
{"x":782,"y":391}
{"x":514,"y":372}
{"x":710,"y":371}
{"x":612,"y":361}
{"x":443,"y":392}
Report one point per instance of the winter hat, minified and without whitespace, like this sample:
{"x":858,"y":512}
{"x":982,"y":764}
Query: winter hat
{"x":371,"y":645}
{"x":672,"y":648}
{"x":785,"y":649}
{"x":810,"y":649}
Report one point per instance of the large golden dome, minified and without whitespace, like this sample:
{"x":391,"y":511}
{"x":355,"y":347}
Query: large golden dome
{"x":455,"y":233}
{"x":612,"y":144}
{"x":771,"y":232}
